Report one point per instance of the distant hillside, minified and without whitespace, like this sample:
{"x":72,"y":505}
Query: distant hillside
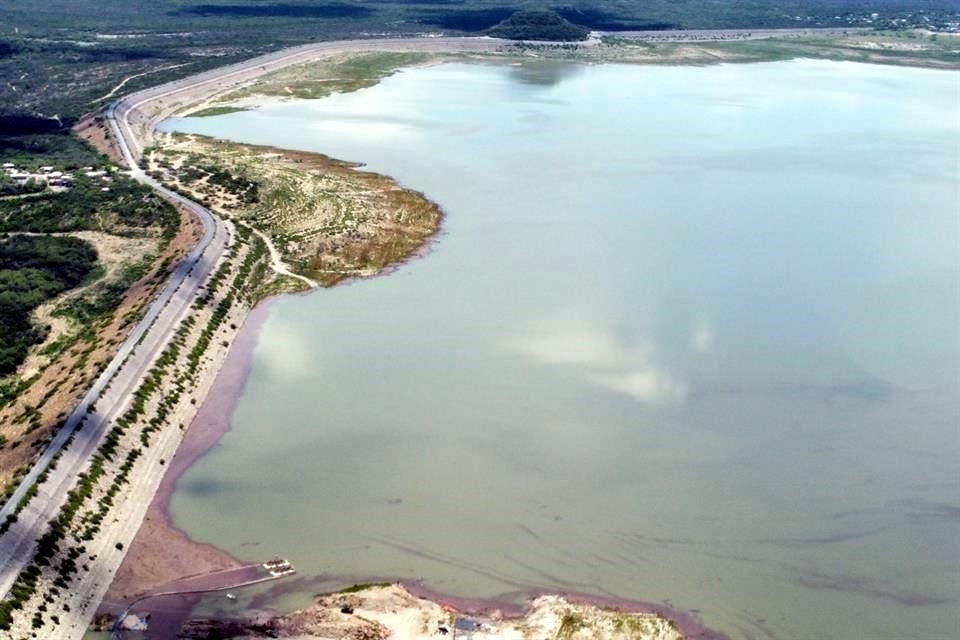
{"x":539,"y":24}
{"x":65,"y":57}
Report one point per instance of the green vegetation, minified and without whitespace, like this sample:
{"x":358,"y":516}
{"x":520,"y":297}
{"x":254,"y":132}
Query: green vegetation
{"x":898,"y":47}
{"x":363,"y":586}
{"x":34,"y":488}
{"x":908,"y":48}
{"x":127,"y":208}
{"x":33,"y":150}
{"x":64,"y":57}
{"x":245,"y":190}
{"x":569,"y":625}
{"x":539,"y":25}
{"x":10,"y":188}
{"x":75,"y":523}
{"x":320,"y":79}
{"x":97,"y":302}
{"x":117,"y":206}
{"x":34,"y":269}
{"x":215,"y":111}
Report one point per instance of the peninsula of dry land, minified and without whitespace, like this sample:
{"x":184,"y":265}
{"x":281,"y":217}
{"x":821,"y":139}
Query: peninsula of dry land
{"x":327,"y":220}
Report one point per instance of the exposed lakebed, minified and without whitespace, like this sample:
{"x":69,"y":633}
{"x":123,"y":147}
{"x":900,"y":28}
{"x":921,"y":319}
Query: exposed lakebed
{"x":689,"y":334}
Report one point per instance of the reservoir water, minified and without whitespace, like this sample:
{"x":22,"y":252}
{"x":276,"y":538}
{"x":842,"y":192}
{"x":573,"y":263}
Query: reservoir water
{"x":689,"y":334}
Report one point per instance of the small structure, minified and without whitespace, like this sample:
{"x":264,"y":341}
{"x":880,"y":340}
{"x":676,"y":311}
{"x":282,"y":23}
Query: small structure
{"x":8,"y":165}
{"x":62,"y":181}
{"x":279,"y":567}
{"x":47,"y":169}
{"x":94,"y":174}
{"x":22,"y":178}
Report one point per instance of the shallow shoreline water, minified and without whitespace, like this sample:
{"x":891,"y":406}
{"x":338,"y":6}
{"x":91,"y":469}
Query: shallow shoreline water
{"x":161,"y":551}
{"x":168,"y":613}
{"x":733,"y":514}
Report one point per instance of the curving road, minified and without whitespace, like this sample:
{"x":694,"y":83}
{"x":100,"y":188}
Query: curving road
{"x":113,"y":388}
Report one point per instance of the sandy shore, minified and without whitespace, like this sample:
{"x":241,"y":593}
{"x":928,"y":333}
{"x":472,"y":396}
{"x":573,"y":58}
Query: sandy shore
{"x":394,"y":611}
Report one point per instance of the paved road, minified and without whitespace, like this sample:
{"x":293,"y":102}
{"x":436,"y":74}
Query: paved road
{"x":195,"y":88}
{"x":113,"y":388}
{"x":111,"y":392}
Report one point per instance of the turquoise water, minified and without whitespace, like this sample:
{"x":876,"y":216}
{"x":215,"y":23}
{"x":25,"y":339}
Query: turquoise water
{"x":689,"y":334}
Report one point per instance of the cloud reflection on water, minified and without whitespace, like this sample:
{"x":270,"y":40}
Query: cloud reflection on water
{"x":285,"y":352}
{"x":647,"y":385}
{"x":606,"y":360}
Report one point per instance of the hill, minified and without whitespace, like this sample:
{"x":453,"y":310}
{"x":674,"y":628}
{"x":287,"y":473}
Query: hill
{"x":539,"y":24}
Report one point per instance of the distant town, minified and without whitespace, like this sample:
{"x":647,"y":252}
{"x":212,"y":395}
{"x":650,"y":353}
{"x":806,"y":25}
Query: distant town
{"x":21,"y":181}
{"x":937,"y":21}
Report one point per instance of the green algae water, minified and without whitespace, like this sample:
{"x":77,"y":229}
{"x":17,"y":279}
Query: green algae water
{"x":688,"y":335}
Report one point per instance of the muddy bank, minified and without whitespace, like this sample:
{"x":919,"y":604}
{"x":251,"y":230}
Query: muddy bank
{"x":161,"y":553}
{"x":379,"y":612}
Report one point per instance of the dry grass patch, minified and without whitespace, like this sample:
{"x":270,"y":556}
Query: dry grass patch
{"x":329,"y":220}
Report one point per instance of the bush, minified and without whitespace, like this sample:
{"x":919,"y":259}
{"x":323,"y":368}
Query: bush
{"x":34,"y":269}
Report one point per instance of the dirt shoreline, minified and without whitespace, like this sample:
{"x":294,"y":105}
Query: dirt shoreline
{"x":161,"y":552}
{"x":394,"y":611}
